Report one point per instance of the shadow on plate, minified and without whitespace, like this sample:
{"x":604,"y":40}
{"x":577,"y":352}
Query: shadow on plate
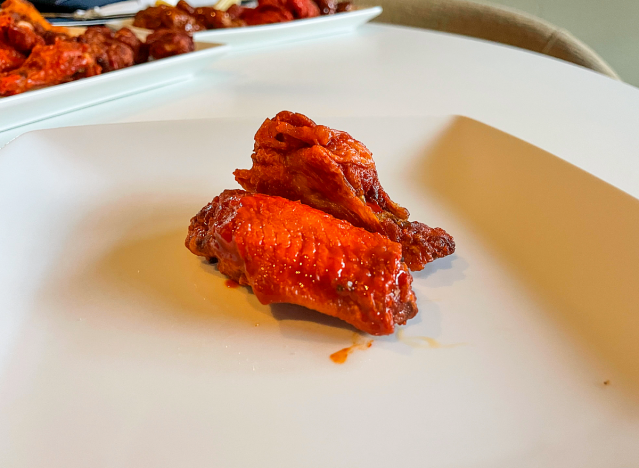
{"x":571,"y":238}
{"x":162,"y":285}
{"x":443,"y":271}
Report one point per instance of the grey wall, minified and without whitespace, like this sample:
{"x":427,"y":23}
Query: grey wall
{"x":610,"y":27}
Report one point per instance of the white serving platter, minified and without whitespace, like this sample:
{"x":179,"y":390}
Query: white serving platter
{"x":257,"y":36}
{"x":43,"y":103}
{"x":119,"y":348}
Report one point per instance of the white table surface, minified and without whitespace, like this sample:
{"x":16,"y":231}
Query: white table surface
{"x":581,"y":116}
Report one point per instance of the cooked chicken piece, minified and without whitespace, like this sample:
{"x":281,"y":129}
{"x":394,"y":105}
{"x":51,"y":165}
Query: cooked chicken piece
{"x":51,"y":36}
{"x":303,"y":8}
{"x":167,"y":17}
{"x":50,"y":65}
{"x":343,"y":7}
{"x":209,"y":17}
{"x":10,"y":59}
{"x":187,"y":18}
{"x":18,"y":34}
{"x":290,"y":252}
{"x":34,"y":54}
{"x":25,"y":11}
{"x":165,"y":43}
{"x":267,"y":12}
{"x":110,"y":53}
{"x":128,"y":37}
{"x":329,"y":170}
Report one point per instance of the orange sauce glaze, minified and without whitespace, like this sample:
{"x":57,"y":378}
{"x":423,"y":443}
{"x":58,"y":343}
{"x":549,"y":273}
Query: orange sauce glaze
{"x":340,"y":356}
{"x":231,"y":284}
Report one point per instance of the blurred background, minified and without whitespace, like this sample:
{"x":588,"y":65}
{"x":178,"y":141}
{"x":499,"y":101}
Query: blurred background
{"x":602,"y":35}
{"x":610,"y":27}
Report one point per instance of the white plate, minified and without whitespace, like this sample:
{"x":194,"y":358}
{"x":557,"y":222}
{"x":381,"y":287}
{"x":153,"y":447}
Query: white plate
{"x":283,"y":32}
{"x":55,"y":100}
{"x":119,"y":348}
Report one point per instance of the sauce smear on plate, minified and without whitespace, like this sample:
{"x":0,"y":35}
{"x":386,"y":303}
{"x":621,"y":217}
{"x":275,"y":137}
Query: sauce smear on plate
{"x":340,"y":356}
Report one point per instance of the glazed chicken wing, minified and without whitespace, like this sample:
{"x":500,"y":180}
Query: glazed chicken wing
{"x":128,"y":37}
{"x":290,"y":252}
{"x":17,"y":34}
{"x":209,"y":17}
{"x":49,"y":65}
{"x":329,"y":170}
{"x":110,"y":53}
{"x":166,"y":43}
{"x":167,"y":17}
{"x":35,"y":54}
{"x":23,"y":10}
{"x":17,"y":38}
{"x":10,"y":58}
{"x":267,"y":12}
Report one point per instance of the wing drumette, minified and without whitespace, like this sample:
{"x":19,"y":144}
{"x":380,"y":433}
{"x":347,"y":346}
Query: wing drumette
{"x":290,"y":252}
{"x":328,"y":169}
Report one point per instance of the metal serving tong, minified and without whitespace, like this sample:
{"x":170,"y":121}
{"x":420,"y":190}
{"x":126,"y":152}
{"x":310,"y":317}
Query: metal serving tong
{"x":123,"y":10}
{"x":97,"y":15}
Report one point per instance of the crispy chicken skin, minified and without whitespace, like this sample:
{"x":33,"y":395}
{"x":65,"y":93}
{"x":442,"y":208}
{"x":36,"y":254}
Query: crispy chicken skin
{"x":329,"y":170}
{"x":290,"y":252}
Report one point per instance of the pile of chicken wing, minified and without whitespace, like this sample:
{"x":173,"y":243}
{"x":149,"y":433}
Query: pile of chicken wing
{"x":314,"y":227}
{"x":184,"y":17}
{"x":35,"y":54}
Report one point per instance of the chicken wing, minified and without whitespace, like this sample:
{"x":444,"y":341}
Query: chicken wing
{"x":17,"y":39}
{"x":49,"y":65}
{"x":209,"y":17}
{"x":267,"y":12}
{"x":25,"y":11}
{"x":167,"y":17}
{"x":10,"y":59}
{"x":18,"y":34}
{"x":290,"y":252}
{"x":329,"y":170}
{"x":110,"y":53}
{"x":166,"y":43}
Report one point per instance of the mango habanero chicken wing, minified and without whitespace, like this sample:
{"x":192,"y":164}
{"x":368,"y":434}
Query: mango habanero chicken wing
{"x":17,"y":39}
{"x":23,"y":10}
{"x":10,"y":59}
{"x":290,"y":252}
{"x":110,"y":53}
{"x":329,"y":170}
{"x":50,"y":65}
